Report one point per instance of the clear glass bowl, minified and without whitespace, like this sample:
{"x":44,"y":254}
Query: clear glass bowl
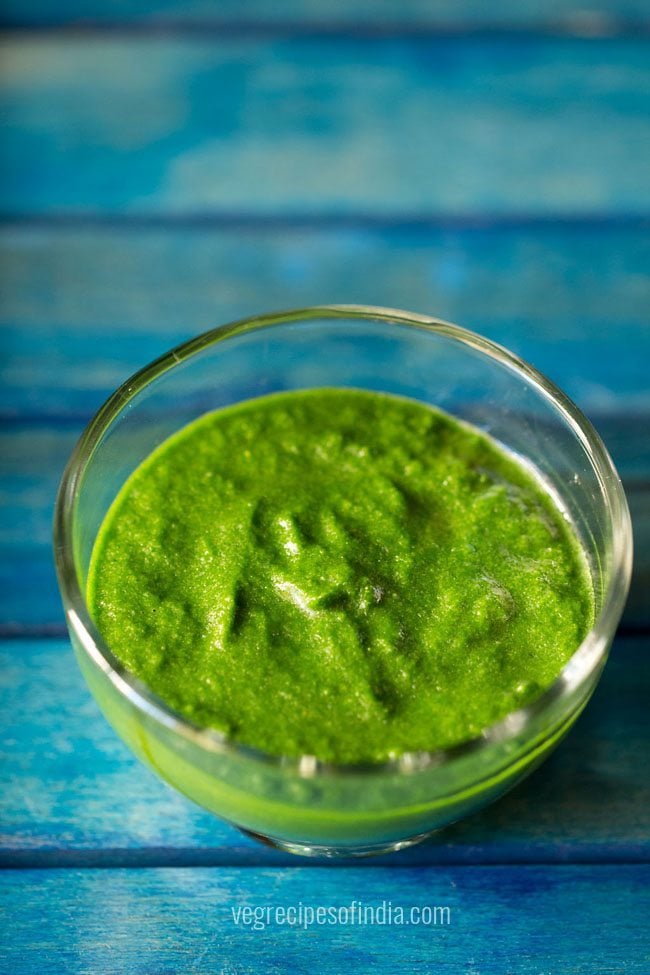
{"x":304,"y":805}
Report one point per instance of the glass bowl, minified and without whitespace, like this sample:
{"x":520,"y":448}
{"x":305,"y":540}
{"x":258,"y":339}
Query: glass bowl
{"x":304,"y":805}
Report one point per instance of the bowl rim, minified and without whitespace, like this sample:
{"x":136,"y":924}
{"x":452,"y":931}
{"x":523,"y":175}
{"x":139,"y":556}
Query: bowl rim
{"x":585,"y":660}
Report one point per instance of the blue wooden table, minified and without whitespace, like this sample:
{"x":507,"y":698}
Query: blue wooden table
{"x":169,"y":165}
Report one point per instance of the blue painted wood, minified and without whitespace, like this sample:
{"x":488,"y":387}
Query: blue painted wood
{"x":81,"y":309}
{"x":34,"y":455}
{"x":598,"y":15}
{"x":33,"y":460}
{"x":71,"y":793}
{"x":326,"y":125}
{"x":526,"y":920}
{"x":195,"y":130}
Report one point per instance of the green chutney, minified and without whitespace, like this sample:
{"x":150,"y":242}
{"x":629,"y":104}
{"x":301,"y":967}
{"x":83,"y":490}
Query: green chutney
{"x":339,"y":573}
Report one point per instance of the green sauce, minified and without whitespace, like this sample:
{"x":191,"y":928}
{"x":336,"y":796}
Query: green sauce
{"x":339,"y":573}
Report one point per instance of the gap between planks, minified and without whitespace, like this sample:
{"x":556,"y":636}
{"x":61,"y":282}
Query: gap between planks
{"x":163,"y":858}
{"x":581,"y":26}
{"x":324,"y":220}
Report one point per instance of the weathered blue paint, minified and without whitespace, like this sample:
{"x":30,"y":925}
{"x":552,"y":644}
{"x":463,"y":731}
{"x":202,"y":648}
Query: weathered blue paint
{"x":34,"y":454}
{"x":69,"y":786}
{"x":600,"y":15}
{"x":526,"y":920}
{"x":162,"y":183}
{"x":82,"y":309}
{"x":410,"y":126}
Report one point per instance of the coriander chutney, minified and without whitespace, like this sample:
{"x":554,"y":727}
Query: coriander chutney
{"x":339,"y":573}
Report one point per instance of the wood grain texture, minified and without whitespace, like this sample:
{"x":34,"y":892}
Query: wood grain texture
{"x":32,"y":461}
{"x":202,"y":160}
{"x":599,"y":15}
{"x":33,"y":454}
{"x":72,"y":793}
{"x":309,"y":124}
{"x":81,"y":309}
{"x":503,"y":921}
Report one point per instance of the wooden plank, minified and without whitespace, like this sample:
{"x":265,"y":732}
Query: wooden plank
{"x":159,"y":126}
{"x":32,"y":464}
{"x":502,"y":921}
{"x":71,"y":793}
{"x":81,"y":309}
{"x":33,"y":458}
{"x":600,"y":15}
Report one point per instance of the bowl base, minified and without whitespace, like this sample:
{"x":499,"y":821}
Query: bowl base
{"x":336,"y":852}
